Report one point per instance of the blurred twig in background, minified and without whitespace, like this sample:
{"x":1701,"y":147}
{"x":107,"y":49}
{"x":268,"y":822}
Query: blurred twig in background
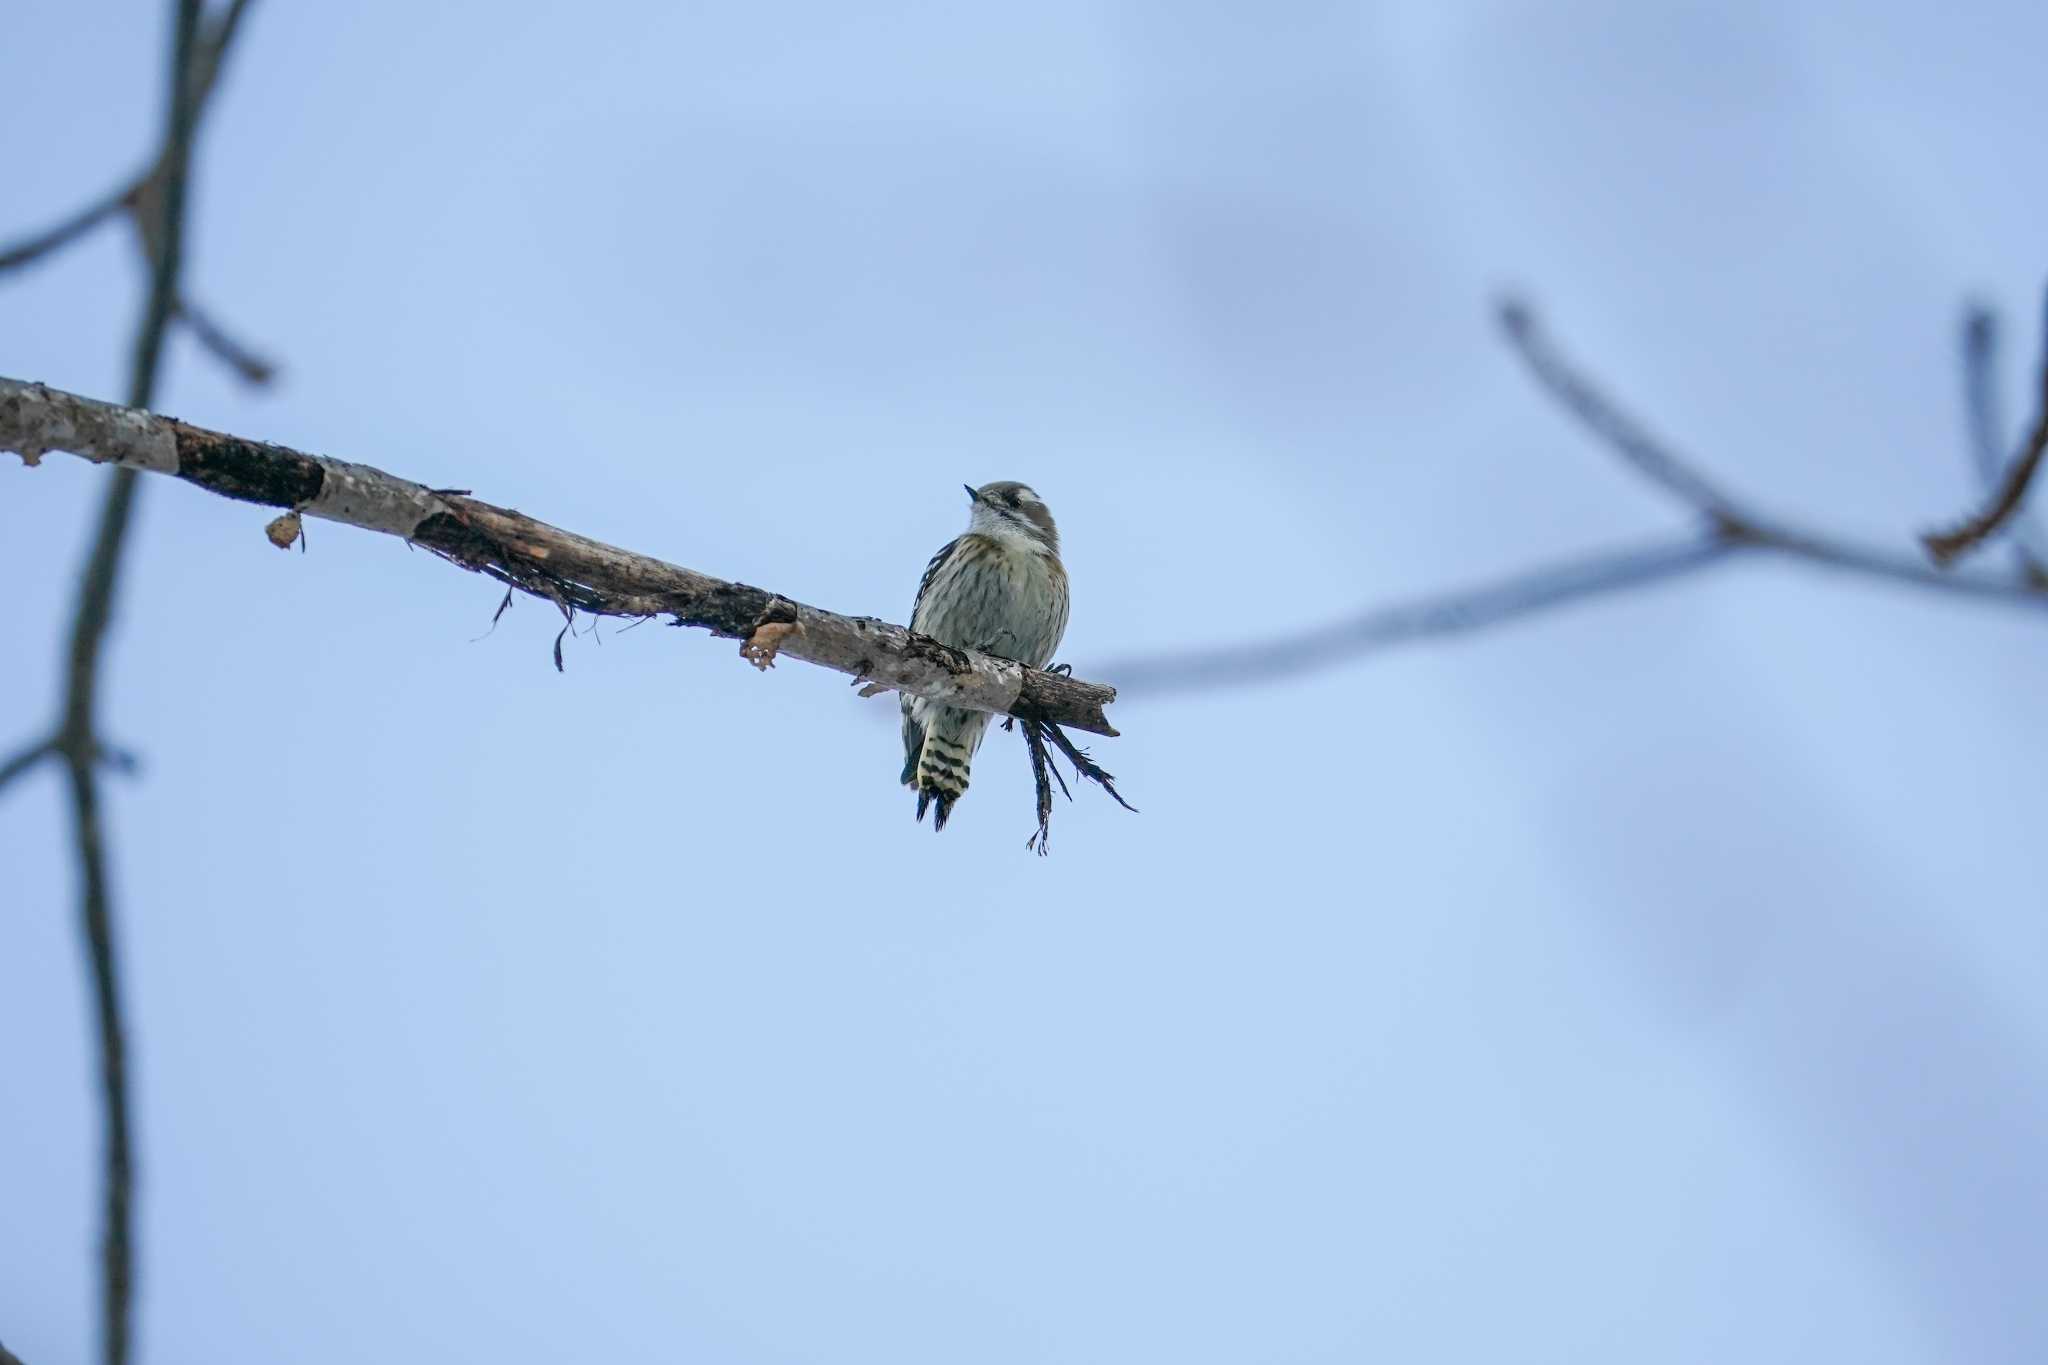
{"x":1729,"y":527}
{"x":1429,"y":617}
{"x":155,"y":202}
{"x":142,"y":197}
{"x":2005,"y":483}
{"x":41,"y":244}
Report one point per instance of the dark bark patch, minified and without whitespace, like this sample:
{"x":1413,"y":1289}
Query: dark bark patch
{"x":250,"y":471}
{"x":730,"y":610}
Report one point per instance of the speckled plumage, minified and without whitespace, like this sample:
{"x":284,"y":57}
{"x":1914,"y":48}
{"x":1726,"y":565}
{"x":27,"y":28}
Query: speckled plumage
{"x":1000,"y":589}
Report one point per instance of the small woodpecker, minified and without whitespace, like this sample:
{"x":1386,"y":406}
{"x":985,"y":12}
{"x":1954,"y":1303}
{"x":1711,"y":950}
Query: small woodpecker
{"x":999,"y":589}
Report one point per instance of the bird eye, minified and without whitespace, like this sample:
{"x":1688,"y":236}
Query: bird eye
{"x":1011,"y":497}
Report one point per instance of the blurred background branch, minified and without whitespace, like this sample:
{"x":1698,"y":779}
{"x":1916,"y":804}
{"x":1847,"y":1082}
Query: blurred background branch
{"x":1729,"y":526}
{"x":143,"y":199}
{"x":1432,"y":616}
{"x":156,"y":204}
{"x":37,"y":245}
{"x":2005,"y":480}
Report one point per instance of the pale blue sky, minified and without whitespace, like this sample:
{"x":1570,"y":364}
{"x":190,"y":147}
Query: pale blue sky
{"x":1663,"y":981}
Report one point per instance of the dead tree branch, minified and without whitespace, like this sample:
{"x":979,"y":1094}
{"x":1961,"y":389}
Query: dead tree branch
{"x":1731,"y":528}
{"x":570,"y":571}
{"x":2006,"y":483}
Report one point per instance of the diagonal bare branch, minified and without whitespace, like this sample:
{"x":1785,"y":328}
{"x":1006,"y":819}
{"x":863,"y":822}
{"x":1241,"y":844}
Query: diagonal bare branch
{"x":568,"y":570}
{"x":208,"y":56}
{"x":25,"y":759}
{"x":77,"y":739}
{"x":1432,"y":616}
{"x":221,"y":32}
{"x":1983,"y":420}
{"x":252,"y":368}
{"x":38,"y":245}
{"x":1653,"y":458}
{"x":2009,"y":490}
{"x":1732,"y":530}
{"x":1736,"y":522}
{"x":156,"y":203}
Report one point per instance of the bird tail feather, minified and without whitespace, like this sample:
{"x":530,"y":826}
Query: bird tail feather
{"x":942,"y":760}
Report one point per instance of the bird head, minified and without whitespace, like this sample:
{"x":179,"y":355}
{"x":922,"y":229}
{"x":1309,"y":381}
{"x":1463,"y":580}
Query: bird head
{"x":1011,"y":510}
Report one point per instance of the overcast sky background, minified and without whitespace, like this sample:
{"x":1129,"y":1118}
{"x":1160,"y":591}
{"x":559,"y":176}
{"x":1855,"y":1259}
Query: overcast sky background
{"x":1665,"y":980}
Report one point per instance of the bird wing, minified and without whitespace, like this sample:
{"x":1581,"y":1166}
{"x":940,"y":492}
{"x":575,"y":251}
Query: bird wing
{"x":931,"y":571}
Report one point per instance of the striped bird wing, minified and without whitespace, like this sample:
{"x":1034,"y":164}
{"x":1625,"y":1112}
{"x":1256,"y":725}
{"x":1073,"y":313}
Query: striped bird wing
{"x":915,"y":709}
{"x":931,"y":573}
{"x":1017,"y":613}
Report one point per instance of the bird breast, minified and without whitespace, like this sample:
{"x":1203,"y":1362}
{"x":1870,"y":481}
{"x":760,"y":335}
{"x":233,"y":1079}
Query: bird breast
{"x":1004,"y":599}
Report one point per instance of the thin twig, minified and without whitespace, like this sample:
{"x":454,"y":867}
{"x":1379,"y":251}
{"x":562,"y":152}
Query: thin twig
{"x":1867,"y":561}
{"x":77,"y":737}
{"x":1732,"y":529}
{"x":2011,"y":492}
{"x":33,"y":248}
{"x":220,"y":39}
{"x":1733,"y":520}
{"x":1433,"y":616}
{"x":141,"y":196}
{"x":25,"y":759}
{"x":253,"y":368}
{"x":1983,"y":422}
{"x":1653,"y":458}
{"x":155,"y":202}
{"x":183,"y":114}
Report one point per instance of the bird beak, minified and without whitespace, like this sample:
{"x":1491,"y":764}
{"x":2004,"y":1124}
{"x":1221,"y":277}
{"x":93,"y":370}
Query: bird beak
{"x":971,"y":494}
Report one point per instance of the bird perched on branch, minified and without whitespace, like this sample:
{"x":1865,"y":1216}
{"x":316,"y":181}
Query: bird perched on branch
{"x":1000,"y":589}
